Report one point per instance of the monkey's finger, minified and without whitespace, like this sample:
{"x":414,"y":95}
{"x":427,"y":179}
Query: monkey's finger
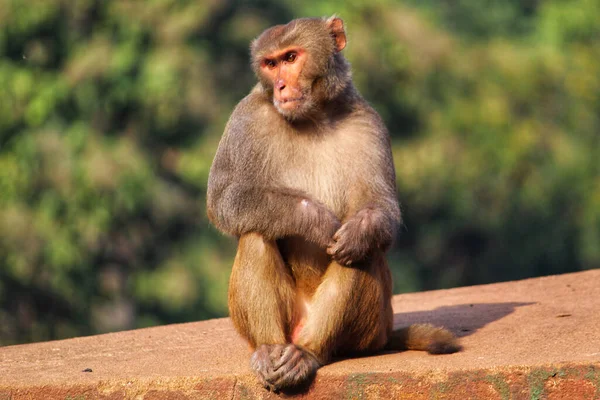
{"x":291,"y":377}
{"x":270,"y":387}
{"x":261,"y":363}
{"x":276,"y":351}
{"x":260,"y":359}
{"x":299,"y":374}
{"x":341,"y":251}
{"x":264,"y":382}
{"x":290,"y":359}
{"x":287,"y":355}
{"x":345,"y":261}
{"x":339,"y":254}
{"x":285,"y":368}
{"x":350,"y":258}
{"x":333,"y":249}
{"x":344,"y":258}
{"x":340,"y":232}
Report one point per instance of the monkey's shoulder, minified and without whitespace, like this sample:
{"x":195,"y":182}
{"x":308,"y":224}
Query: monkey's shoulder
{"x":364,"y":123}
{"x":251,"y":115}
{"x":364,"y":113}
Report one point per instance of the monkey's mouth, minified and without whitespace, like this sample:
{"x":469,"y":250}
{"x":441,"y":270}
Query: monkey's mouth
{"x":289,"y":104}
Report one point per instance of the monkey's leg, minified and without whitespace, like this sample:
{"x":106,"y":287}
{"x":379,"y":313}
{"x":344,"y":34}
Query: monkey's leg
{"x":350,"y":311}
{"x":261,"y":298}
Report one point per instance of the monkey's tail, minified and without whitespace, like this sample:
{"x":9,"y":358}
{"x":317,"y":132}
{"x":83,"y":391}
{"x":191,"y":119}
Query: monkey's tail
{"x":426,"y":337}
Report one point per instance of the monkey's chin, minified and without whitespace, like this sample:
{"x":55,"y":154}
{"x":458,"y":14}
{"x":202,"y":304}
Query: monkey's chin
{"x":292,"y":110}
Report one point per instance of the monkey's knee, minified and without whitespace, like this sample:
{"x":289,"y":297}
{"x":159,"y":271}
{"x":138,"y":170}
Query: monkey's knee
{"x":254,"y":245}
{"x":258,"y":254}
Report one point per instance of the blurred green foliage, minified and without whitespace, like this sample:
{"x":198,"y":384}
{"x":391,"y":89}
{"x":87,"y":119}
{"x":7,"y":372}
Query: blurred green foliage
{"x":111,"y":112}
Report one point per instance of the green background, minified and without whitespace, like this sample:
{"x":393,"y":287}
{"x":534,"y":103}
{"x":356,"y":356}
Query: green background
{"x":111,"y":111}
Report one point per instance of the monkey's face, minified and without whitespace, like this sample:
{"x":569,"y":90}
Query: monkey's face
{"x":283,"y":70}
{"x":298,"y":66}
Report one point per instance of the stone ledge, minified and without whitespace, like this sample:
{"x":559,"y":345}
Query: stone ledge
{"x":532,"y":339}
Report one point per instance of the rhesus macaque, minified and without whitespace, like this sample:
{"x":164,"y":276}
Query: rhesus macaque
{"x":304,"y":177}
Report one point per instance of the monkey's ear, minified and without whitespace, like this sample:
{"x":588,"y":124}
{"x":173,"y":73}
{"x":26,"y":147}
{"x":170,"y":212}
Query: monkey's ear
{"x":336,"y":29}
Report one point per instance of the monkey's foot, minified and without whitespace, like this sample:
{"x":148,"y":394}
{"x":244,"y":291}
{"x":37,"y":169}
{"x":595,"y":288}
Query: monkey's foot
{"x":283,"y":366}
{"x":262,"y":364}
{"x":292,"y":367}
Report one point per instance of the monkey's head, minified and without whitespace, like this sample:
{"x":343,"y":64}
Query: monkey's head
{"x":300,"y":66}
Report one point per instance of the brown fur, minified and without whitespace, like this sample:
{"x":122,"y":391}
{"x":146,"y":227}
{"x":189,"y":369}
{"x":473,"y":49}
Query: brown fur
{"x":311,"y":195}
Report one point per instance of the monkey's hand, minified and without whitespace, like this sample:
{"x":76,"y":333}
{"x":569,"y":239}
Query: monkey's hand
{"x":359,"y":237}
{"x":318,"y":223}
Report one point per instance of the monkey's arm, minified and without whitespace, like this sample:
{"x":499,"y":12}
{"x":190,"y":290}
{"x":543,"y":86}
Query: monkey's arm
{"x":373,"y":224}
{"x":241,"y":199}
{"x":272,"y":212}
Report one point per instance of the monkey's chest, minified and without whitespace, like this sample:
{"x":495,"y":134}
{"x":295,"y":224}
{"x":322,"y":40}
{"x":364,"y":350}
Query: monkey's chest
{"x":323,"y":173}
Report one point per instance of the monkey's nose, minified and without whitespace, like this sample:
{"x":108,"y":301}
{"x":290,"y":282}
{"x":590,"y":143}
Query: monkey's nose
{"x":280,"y":84}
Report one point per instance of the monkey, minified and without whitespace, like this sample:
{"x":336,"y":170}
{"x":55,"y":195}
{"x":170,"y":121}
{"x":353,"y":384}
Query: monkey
{"x":304,"y":177}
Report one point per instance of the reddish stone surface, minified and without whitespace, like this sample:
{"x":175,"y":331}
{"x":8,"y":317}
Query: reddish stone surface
{"x":531,"y":339}
{"x":558,"y":389}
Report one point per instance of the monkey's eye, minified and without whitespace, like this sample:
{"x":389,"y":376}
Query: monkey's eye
{"x":270,"y":63}
{"x":290,"y":57}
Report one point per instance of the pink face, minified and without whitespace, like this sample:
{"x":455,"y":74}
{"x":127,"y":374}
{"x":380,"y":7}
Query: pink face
{"x":283,"y":69}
